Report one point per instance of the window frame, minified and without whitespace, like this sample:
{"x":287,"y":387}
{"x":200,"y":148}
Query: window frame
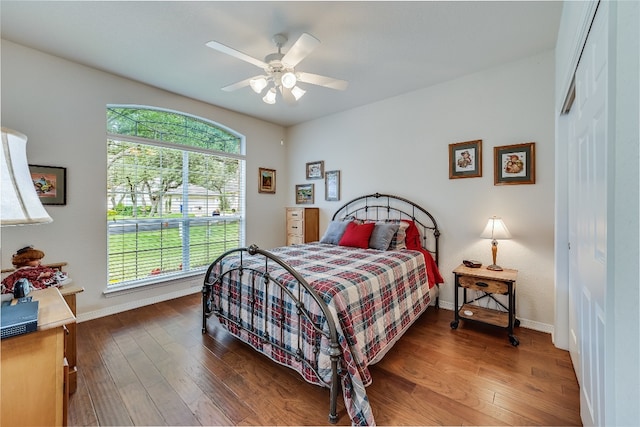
{"x":185,"y":221}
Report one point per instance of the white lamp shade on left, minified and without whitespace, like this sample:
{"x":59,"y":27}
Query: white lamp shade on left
{"x":20,"y":203}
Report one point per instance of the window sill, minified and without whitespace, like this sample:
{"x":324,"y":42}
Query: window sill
{"x":154,"y":282}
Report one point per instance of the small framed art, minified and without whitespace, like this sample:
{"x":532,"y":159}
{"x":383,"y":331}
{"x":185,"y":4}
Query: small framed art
{"x":304,"y":194}
{"x":514,"y":164}
{"x":267,"y":180}
{"x":332,"y":186}
{"x":315,"y":170}
{"x":50,"y":183}
{"x":465,"y":159}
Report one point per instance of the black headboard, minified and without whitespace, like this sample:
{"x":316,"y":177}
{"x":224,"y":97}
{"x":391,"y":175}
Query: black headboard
{"x":379,"y":207}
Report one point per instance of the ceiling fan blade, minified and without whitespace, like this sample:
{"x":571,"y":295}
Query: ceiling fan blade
{"x":236,"y":54}
{"x":305,"y":44}
{"x":240,"y":84}
{"x":329,"y":82}
{"x":287,"y":96}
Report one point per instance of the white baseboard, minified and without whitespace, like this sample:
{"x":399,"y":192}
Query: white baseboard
{"x":524,"y":323}
{"x":130,"y":305}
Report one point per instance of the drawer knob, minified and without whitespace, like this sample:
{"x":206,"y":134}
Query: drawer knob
{"x":482,"y":284}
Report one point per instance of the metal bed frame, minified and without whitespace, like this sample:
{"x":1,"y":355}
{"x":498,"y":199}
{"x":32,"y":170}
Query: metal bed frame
{"x":372,"y":207}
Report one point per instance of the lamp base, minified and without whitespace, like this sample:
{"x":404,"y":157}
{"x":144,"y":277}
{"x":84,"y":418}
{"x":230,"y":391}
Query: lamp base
{"x":494,"y":267}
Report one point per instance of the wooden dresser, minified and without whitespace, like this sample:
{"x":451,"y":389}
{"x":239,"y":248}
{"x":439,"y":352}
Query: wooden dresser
{"x":34,"y":369}
{"x":69,"y":292}
{"x":303,"y":225}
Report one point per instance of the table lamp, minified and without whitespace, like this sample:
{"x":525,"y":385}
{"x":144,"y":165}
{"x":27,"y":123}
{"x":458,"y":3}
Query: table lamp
{"x":495,"y":230}
{"x":20,"y":203}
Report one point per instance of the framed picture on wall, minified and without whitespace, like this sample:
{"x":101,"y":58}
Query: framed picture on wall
{"x":514,"y":164}
{"x":50,"y":183}
{"x":266,"y":180}
{"x":304,"y":194}
{"x":315,"y":170}
{"x":465,"y":159}
{"x":332,"y":186}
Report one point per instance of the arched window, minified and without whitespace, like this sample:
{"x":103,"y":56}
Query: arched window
{"x":175,"y":194}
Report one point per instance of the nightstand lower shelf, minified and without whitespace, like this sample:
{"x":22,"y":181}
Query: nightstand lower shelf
{"x":484,"y":315}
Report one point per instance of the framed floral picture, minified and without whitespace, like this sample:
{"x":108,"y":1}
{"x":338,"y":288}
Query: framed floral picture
{"x":266,"y":180}
{"x":315,"y":170}
{"x":50,"y":183}
{"x":465,"y":159}
{"x":514,"y":164}
{"x":332,"y":186}
{"x":304,"y":194}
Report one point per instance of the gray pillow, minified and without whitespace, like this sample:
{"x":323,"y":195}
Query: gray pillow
{"x":382,"y":235}
{"x":334,"y":232}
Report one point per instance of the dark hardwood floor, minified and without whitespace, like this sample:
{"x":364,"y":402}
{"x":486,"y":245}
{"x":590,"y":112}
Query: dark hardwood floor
{"x":152,"y":366}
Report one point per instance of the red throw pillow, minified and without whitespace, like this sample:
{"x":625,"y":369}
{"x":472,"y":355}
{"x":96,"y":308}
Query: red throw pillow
{"x":357,"y":235}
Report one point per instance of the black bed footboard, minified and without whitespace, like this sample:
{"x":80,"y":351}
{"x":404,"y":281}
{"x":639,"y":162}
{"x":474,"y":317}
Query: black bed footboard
{"x":239,"y":288}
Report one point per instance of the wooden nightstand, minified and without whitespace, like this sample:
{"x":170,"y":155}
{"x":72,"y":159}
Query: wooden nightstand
{"x":489,"y":283}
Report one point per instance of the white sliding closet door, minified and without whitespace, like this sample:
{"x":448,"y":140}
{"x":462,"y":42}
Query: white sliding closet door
{"x":587,"y":185}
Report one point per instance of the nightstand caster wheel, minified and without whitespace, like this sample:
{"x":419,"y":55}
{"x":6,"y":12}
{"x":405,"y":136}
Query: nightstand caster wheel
{"x":514,"y":340}
{"x":454,"y":324}
{"x":517,"y":323}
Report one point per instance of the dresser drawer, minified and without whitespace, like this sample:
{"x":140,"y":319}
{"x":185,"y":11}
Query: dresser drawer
{"x":295,"y":226}
{"x":295,"y":239}
{"x":295,"y":214}
{"x":486,"y":285}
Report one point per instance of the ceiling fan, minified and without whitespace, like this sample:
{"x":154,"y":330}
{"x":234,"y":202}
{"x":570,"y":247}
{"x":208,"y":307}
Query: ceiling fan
{"x":279,"y":70}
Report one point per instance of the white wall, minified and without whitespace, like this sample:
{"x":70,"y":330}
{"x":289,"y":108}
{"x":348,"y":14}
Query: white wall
{"x":60,"y":106}
{"x":400,"y":146}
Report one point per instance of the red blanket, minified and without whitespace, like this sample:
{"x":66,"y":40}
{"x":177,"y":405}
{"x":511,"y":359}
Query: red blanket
{"x":414,"y":244}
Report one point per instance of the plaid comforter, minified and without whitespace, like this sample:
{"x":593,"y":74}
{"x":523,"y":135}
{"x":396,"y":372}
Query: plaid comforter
{"x":374,"y":297}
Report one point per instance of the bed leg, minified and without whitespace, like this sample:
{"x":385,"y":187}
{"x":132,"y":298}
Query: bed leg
{"x":204,"y":309}
{"x":334,"y":354}
{"x":333,"y":413}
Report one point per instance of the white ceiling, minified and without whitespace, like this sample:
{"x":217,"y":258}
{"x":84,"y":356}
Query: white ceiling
{"x":382,"y":48}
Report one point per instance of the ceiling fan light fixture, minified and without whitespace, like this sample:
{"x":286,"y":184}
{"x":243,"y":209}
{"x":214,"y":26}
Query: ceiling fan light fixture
{"x":297,"y":92}
{"x":258,"y":84}
{"x":289,"y":80}
{"x":270,"y":97}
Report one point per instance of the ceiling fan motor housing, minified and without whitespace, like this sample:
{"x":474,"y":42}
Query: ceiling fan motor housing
{"x":279,"y":40}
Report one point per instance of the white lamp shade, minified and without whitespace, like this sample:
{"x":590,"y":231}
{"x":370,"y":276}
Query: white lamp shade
{"x":19,"y":201}
{"x":289,"y":80}
{"x":297,"y":92}
{"x":270,"y":97}
{"x":495,"y":229}
{"x":258,"y":84}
